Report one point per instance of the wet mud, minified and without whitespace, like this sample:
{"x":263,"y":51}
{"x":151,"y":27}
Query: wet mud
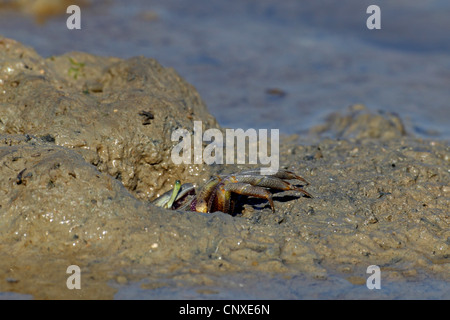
{"x":85,"y":144}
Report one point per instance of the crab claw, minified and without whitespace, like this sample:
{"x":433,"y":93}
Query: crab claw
{"x":171,"y":198}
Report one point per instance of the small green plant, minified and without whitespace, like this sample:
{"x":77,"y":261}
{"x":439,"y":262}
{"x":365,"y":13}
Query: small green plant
{"x":77,"y":68}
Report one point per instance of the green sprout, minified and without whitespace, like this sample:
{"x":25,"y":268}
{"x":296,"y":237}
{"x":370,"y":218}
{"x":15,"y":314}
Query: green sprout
{"x":76,"y":68}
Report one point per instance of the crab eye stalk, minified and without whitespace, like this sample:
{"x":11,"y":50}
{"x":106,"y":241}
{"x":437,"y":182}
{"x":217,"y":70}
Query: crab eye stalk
{"x":176,"y":189}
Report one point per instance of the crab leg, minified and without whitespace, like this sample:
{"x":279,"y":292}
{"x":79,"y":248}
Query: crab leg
{"x":167,"y":199}
{"x":223,"y":199}
{"x":281,"y":174}
{"x":176,"y":189}
{"x":269,"y":182}
{"x":205,"y":195}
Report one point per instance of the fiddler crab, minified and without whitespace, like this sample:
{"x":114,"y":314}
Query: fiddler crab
{"x":218,"y":194}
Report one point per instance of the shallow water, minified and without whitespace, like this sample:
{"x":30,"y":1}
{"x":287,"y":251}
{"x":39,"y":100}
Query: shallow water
{"x":268,"y":287}
{"x":271,"y":64}
{"x":264,"y":287}
{"x":276,"y":65}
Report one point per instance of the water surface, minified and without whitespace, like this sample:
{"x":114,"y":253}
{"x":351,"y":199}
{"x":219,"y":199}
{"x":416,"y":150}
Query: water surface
{"x":271,"y":64}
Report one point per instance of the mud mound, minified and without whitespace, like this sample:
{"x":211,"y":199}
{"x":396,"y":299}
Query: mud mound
{"x":119,"y":114}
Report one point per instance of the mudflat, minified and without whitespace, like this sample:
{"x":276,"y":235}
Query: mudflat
{"x":85,"y":144}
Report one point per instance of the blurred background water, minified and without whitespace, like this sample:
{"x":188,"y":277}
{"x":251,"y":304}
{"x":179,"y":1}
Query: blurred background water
{"x":267,"y":63}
